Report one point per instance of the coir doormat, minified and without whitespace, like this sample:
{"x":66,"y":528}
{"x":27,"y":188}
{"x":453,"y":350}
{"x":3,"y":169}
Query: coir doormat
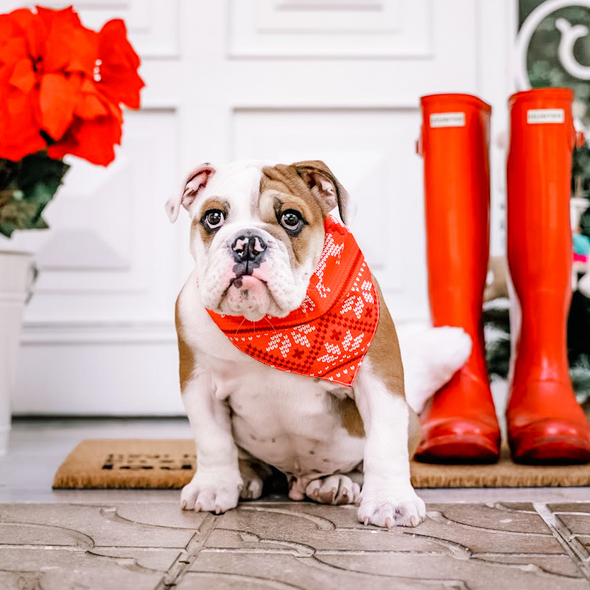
{"x":166,"y":463}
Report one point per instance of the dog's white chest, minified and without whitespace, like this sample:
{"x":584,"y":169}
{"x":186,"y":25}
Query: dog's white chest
{"x":287,"y":420}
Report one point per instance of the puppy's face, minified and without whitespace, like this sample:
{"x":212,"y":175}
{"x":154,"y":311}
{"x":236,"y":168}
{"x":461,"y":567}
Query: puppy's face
{"x":257,"y":233}
{"x":255,"y":244}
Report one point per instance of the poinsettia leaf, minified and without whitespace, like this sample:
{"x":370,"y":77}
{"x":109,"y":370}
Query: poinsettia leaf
{"x":6,"y":229}
{"x":27,"y":187}
{"x":17,"y":214}
{"x":40,"y":169}
{"x":38,"y":198}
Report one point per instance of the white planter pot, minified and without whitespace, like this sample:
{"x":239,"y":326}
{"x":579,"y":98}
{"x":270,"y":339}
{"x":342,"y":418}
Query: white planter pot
{"x":17,"y":274}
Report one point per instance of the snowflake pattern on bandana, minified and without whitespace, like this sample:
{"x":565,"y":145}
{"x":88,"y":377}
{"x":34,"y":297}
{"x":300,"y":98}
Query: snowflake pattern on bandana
{"x":329,"y":334}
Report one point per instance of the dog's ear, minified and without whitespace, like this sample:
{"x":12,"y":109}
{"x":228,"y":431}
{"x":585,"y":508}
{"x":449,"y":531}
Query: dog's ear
{"x":193,"y":185}
{"x":326,"y":188}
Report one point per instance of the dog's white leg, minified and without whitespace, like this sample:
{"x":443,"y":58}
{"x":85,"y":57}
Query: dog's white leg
{"x":387,"y":496}
{"x":217,"y":482}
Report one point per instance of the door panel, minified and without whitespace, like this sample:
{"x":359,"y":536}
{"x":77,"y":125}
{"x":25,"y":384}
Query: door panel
{"x":337,"y":80}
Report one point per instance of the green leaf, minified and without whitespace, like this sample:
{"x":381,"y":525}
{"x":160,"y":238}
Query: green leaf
{"x":26,"y":187}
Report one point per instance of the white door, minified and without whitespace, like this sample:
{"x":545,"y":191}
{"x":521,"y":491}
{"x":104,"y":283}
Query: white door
{"x":336,"y":80}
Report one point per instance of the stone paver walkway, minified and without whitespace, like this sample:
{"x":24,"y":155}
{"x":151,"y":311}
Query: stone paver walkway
{"x":488,"y":538}
{"x":287,"y":545}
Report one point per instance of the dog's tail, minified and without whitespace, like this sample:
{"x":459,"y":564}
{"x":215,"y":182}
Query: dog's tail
{"x":431,"y":356}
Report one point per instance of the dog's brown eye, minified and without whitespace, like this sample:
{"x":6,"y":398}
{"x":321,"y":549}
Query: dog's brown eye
{"x":213,"y":219}
{"x":292,"y":221}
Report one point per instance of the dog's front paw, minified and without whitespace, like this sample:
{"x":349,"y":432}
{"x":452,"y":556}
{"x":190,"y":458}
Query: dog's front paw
{"x":211,"y":493}
{"x":386,"y":509}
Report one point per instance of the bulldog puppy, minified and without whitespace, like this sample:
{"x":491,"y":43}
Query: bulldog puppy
{"x":263,"y":240}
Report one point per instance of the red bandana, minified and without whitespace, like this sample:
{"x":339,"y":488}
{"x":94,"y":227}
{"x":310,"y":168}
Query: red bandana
{"x":330,"y":333}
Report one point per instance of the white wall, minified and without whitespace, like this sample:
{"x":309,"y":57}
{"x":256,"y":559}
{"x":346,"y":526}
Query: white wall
{"x":284,"y":79}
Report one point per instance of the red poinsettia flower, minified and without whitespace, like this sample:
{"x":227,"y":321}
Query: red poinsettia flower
{"x":19,"y":94}
{"x":61,"y":85}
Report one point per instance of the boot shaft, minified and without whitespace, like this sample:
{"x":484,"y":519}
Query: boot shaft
{"x":460,"y":422}
{"x":542,"y":137}
{"x":454,"y":144}
{"x":539,"y":240}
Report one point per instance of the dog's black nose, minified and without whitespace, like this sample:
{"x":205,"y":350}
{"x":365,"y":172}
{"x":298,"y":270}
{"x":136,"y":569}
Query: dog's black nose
{"x":248,"y":250}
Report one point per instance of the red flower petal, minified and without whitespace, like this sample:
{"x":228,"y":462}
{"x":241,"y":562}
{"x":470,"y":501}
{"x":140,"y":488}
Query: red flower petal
{"x":90,"y":105}
{"x":70,"y":48}
{"x":21,"y":134}
{"x":12,"y":34}
{"x":19,"y":123}
{"x":33,"y":29}
{"x":92,"y":140}
{"x":23,"y":76}
{"x":119,"y":80}
{"x":58,"y":99}
{"x":13,"y":50}
{"x":65,"y":16}
{"x":22,"y":138}
{"x":115,"y":46}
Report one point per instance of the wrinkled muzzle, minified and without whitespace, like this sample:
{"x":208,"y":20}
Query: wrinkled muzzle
{"x":250,"y":274}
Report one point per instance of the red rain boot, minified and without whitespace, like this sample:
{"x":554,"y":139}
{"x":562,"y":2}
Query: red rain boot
{"x":459,"y":425}
{"x":545,"y":423}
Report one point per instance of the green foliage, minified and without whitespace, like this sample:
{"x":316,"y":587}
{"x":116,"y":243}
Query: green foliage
{"x":580,"y":374}
{"x":581,"y":165}
{"x":26,"y":187}
{"x":543,"y":64}
{"x":545,"y":69}
{"x":525,"y":7}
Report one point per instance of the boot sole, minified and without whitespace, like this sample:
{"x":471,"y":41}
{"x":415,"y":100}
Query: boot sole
{"x":552,"y":451}
{"x":453,"y":450}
